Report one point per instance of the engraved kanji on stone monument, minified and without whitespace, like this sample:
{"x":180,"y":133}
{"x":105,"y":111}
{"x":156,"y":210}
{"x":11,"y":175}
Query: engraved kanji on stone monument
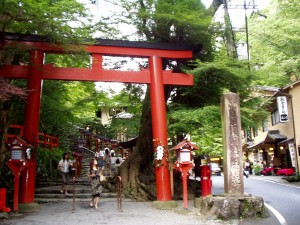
{"x":231,"y":123}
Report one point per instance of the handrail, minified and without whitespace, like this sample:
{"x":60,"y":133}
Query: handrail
{"x":119,"y":183}
{"x":48,"y":140}
{"x":45,"y":140}
{"x":87,"y":150}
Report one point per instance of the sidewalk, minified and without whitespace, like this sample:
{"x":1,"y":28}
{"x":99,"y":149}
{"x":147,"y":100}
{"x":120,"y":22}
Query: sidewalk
{"x":133,"y":213}
{"x":275,"y":179}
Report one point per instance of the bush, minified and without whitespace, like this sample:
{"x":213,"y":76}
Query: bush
{"x":293,"y":178}
{"x":47,"y":162}
{"x":257,"y":169}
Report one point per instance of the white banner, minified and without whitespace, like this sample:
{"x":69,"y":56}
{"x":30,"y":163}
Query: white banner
{"x":282,"y":109}
{"x":292,"y":153}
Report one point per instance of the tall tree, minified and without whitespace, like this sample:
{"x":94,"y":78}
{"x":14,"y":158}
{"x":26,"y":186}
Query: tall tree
{"x":176,"y":21}
{"x":61,"y":21}
{"x":274,"y":39}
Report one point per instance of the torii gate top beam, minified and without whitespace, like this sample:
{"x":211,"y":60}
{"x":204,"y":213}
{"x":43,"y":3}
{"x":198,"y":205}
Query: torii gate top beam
{"x":97,"y":50}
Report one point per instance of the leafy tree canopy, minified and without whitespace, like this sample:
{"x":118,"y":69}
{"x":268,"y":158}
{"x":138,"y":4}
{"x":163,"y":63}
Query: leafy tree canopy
{"x":274,"y":40}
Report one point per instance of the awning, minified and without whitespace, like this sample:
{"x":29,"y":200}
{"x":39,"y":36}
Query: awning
{"x":273,"y":136}
{"x":259,"y":144}
{"x":128,"y":144}
{"x":286,"y":141}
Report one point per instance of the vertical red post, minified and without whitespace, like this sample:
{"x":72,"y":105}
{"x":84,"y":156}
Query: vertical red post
{"x":31,"y":124}
{"x":16,"y":168}
{"x":206,"y":183}
{"x":159,"y":126}
{"x":185,"y":170}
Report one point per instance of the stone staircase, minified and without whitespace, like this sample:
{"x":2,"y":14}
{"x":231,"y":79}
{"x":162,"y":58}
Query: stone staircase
{"x":50,"y":191}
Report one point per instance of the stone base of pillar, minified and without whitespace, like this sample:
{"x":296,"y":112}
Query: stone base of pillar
{"x":228,"y":207}
{"x":28,"y":207}
{"x":164,"y":204}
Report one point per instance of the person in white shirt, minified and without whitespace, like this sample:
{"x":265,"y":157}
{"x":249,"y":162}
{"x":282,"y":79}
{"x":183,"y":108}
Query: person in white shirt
{"x":113,"y":160}
{"x":100,"y":158}
{"x":64,"y":165}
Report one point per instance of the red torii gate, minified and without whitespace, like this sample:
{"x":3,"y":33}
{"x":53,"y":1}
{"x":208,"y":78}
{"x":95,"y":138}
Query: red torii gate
{"x":36,"y":71}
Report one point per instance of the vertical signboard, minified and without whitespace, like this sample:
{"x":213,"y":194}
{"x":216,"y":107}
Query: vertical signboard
{"x":282,"y":109}
{"x":292,"y":153}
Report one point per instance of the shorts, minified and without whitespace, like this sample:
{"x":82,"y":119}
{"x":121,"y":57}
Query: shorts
{"x":65,"y":177}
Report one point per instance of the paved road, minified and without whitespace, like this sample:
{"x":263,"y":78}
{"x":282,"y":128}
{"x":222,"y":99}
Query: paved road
{"x":284,"y":198}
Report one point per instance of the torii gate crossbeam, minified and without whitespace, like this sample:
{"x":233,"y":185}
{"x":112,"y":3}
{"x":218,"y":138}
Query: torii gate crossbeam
{"x":36,"y":71}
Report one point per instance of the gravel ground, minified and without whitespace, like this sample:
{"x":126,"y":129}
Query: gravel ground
{"x":133,"y":213}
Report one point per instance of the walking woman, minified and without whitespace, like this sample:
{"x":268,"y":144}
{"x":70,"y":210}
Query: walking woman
{"x":64,"y":165}
{"x":96,"y":186}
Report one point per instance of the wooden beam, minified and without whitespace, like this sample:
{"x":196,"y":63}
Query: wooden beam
{"x":105,"y":50}
{"x":96,"y":75}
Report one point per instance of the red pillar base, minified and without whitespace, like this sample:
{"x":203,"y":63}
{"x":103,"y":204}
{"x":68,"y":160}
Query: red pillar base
{"x":28,"y":207}
{"x":16,"y":167}
{"x":165,"y":204}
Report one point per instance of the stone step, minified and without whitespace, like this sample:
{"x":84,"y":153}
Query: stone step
{"x":56,"y":189}
{"x":86,"y":195}
{"x":70,"y":199}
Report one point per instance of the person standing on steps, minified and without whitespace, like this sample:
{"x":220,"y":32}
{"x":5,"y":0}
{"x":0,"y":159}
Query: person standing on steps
{"x":96,"y":186}
{"x":65,"y":165}
{"x":107,"y":163}
{"x":113,"y":160}
{"x":100,"y":158}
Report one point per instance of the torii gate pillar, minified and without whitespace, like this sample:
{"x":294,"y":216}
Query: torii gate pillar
{"x":31,"y":124}
{"x":159,"y":126}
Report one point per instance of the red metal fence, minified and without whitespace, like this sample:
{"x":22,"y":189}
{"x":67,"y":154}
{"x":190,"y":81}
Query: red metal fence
{"x":44,"y":140}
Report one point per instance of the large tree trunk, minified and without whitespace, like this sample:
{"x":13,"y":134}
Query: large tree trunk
{"x":139,"y":164}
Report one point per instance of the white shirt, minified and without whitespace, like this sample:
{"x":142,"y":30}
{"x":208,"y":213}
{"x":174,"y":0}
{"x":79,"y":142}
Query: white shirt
{"x":64,"y":165}
{"x":101,"y":153}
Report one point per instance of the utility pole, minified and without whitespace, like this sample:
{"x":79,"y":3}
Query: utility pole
{"x":245,"y":6}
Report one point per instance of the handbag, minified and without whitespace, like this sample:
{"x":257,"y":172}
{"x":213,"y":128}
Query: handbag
{"x":102,"y":178}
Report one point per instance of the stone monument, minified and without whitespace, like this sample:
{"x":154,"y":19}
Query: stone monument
{"x":233,"y":204}
{"x":232,"y":144}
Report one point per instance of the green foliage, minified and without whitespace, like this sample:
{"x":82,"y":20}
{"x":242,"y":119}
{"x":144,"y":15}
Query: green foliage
{"x":54,"y":19}
{"x":275,"y":43}
{"x":212,"y":80}
{"x":179,"y":21}
{"x":196,"y":110}
{"x":293,"y":178}
{"x":204,"y":126}
{"x":257,"y":169}
{"x":47,"y":162}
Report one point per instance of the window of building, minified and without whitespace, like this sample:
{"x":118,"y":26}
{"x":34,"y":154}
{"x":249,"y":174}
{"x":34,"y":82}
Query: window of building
{"x":275,"y":117}
{"x":265,"y":125}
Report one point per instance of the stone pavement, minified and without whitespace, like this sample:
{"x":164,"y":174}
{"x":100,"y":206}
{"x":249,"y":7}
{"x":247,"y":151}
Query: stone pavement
{"x":133,"y":213}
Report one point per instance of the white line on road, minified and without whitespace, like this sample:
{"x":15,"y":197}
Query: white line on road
{"x":276,"y":182}
{"x":280,"y":218}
